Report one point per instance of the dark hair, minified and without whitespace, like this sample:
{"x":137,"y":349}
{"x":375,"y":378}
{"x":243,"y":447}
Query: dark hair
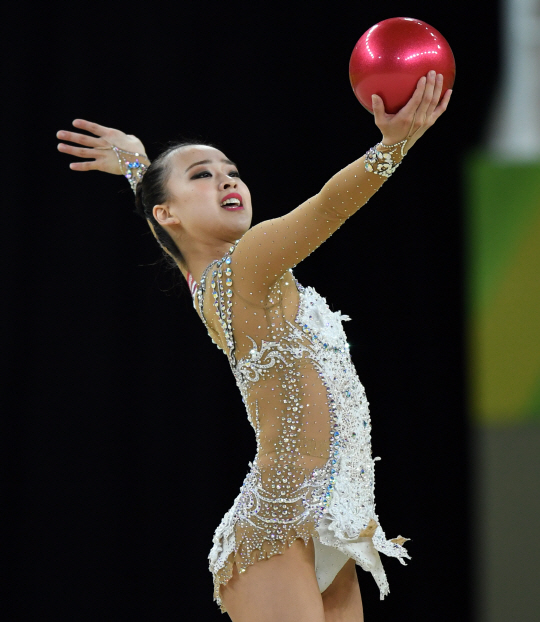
{"x":152,"y":190}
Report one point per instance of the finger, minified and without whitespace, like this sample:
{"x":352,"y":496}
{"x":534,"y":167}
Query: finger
{"x":83,"y":139}
{"x":80,"y":152}
{"x":442,"y":106}
{"x":94,"y":128}
{"x":83,"y":166}
{"x":426,"y":97}
{"x":412,"y":105}
{"x":378,"y":107}
{"x":436,"y":95}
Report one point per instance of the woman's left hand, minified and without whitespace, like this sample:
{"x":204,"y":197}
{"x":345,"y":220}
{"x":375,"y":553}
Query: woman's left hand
{"x":418,"y":114}
{"x":99,"y":147}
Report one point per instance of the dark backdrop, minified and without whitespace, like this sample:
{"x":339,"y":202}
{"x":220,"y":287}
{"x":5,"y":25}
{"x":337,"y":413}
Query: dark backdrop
{"x":125,"y":437}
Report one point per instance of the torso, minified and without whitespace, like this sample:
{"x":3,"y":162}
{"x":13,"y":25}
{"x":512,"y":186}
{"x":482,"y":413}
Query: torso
{"x":291,"y":361}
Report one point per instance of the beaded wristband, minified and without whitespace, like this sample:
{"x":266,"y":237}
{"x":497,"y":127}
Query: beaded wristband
{"x":381,"y":162}
{"x":132,"y":171}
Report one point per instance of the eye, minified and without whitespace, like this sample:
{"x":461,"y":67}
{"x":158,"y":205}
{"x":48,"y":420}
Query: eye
{"x":202,"y":174}
{"x":234,"y":174}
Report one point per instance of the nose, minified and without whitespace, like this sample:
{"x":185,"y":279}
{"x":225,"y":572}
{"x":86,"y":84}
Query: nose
{"x":227,"y":182}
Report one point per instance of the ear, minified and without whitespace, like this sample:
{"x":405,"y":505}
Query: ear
{"x":164,"y":216}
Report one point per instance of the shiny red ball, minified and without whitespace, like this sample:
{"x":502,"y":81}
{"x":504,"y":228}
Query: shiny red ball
{"x":393,"y":55}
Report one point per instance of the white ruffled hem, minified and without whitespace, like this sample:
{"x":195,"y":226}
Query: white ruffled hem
{"x":364,"y":551}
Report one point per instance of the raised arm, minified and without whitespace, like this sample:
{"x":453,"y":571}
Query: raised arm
{"x":269,"y":249}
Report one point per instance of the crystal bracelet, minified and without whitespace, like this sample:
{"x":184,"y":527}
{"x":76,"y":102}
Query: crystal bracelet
{"x":133,"y":171}
{"x":382,"y":162}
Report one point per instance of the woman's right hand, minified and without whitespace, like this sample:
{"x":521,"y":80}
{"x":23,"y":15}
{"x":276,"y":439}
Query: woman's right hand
{"x":100,"y":148}
{"x":417,"y":116}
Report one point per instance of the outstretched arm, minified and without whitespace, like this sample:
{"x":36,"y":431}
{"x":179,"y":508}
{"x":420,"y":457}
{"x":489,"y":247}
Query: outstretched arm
{"x":99,"y":148}
{"x":269,"y":249}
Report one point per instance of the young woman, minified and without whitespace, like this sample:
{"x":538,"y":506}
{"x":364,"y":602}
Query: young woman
{"x":305,"y":516}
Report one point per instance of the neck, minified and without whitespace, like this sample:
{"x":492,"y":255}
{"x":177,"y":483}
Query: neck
{"x":198,"y":258}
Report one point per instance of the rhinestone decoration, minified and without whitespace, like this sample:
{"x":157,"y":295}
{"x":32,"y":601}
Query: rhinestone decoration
{"x":380,"y":159}
{"x":313,"y":472}
{"x":133,"y":170}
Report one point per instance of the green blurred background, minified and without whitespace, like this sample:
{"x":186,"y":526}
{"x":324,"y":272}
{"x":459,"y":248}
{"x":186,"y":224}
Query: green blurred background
{"x":504,"y":381}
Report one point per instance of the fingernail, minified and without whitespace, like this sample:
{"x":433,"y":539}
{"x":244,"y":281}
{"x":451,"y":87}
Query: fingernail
{"x":431,"y":74}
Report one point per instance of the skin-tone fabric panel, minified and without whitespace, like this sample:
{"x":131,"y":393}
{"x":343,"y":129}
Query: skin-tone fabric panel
{"x":254,"y":312}
{"x":271,"y":248}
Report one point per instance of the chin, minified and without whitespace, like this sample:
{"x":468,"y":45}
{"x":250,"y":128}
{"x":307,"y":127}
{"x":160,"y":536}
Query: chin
{"x":242,"y":224}
{"x":241,"y":231}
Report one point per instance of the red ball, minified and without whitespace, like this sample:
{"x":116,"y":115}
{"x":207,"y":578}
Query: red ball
{"x":393,"y":55}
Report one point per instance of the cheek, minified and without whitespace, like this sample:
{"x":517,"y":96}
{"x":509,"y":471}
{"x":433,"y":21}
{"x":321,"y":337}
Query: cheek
{"x":246,"y":193}
{"x":198,"y":201}
{"x":201,"y":212}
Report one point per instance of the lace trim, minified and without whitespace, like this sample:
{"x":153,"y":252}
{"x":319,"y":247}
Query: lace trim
{"x":338,"y":503}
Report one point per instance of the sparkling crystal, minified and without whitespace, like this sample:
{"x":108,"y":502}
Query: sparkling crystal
{"x":302,"y":396}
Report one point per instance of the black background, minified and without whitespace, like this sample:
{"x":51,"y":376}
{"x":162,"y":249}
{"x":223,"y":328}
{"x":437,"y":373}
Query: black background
{"x":124,"y":435}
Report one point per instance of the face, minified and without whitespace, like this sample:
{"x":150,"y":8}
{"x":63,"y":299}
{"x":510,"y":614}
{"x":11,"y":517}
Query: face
{"x":208,"y":200}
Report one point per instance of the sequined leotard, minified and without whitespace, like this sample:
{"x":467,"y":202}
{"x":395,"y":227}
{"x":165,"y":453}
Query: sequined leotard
{"x":313,"y":473}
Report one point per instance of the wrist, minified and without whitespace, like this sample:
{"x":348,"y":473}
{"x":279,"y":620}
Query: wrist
{"x":133,"y":165}
{"x":383,"y":159}
{"x":404,"y":144}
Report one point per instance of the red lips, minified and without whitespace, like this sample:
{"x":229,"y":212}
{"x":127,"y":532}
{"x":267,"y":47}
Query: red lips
{"x":232,"y":207}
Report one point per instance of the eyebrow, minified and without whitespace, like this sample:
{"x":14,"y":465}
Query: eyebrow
{"x":208,"y":162}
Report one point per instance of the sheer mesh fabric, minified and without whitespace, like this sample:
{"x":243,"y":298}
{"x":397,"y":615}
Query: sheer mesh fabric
{"x":290,"y":360}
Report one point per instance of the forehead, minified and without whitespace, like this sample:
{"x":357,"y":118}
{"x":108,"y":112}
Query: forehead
{"x":186,"y":156}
